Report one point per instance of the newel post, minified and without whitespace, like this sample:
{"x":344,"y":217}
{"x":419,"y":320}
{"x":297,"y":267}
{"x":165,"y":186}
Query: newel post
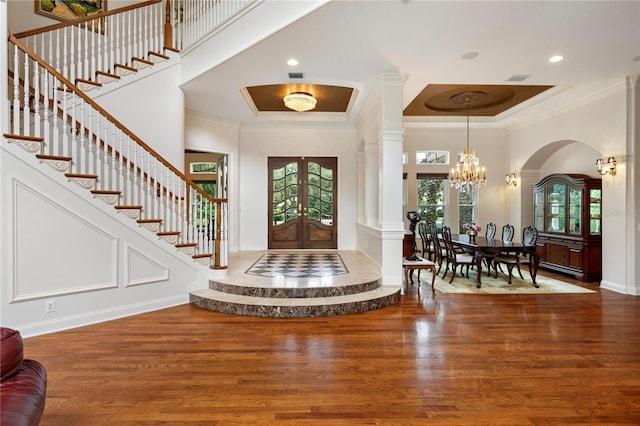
{"x":168,"y":28}
{"x":218,"y":238}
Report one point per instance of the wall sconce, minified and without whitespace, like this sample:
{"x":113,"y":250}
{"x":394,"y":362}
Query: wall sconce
{"x":608,"y":168}
{"x":511,"y":179}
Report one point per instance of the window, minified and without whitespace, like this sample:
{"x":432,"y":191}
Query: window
{"x":432,"y":157}
{"x":431,"y":198}
{"x":405,"y":157}
{"x":202,"y":168}
{"x":467,"y":207}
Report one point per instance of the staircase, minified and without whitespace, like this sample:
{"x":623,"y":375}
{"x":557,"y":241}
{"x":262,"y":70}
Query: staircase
{"x":52,"y":75}
{"x":53,"y":117}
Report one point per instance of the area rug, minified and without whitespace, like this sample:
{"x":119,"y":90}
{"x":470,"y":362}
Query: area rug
{"x":491,"y":285}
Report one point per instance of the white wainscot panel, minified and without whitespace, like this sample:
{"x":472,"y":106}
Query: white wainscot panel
{"x":56,"y":252}
{"x":143,"y":270}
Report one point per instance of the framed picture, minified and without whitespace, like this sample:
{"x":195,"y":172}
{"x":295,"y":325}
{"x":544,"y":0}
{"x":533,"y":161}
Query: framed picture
{"x":68,"y":10}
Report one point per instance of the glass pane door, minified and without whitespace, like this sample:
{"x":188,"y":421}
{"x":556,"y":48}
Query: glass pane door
{"x":556,"y":205}
{"x":575,"y":211}
{"x":595,"y":211}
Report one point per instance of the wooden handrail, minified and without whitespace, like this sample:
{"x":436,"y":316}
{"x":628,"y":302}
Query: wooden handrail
{"x":87,"y":19}
{"x":108,"y":116}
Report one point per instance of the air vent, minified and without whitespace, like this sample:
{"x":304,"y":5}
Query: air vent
{"x":296,"y":75}
{"x":519,"y":77}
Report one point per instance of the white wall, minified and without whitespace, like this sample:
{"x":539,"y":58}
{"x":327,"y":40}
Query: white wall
{"x":150,"y":104}
{"x":490,"y":146}
{"x":22,"y":16}
{"x":60,"y":244}
{"x":208,"y":134}
{"x":290,"y":140}
{"x":599,"y":125}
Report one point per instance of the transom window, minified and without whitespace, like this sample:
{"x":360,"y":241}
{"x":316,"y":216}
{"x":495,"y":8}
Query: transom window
{"x":432,"y":157}
{"x":203,"y":167}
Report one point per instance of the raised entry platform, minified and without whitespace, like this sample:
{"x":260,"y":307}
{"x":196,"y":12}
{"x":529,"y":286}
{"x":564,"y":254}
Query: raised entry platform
{"x":299,"y":283}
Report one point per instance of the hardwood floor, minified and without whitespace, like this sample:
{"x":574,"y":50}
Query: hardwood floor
{"x":447,"y":359}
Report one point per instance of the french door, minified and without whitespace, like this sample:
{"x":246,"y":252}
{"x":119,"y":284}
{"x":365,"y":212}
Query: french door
{"x":303,"y":211}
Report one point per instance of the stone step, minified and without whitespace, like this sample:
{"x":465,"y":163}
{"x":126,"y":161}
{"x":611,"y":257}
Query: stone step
{"x":295,"y":307}
{"x":270,"y":291}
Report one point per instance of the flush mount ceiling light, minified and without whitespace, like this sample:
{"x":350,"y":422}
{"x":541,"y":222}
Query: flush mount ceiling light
{"x":300,"y":101}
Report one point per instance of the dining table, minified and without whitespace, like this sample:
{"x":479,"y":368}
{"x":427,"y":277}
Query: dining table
{"x":481,"y":246}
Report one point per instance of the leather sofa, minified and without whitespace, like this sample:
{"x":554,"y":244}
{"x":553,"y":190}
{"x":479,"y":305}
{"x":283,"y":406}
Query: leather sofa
{"x":23,"y":383}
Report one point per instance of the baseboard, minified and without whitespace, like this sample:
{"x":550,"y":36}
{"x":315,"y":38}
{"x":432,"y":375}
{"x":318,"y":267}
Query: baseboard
{"x":75,"y":321}
{"x":618,"y":288}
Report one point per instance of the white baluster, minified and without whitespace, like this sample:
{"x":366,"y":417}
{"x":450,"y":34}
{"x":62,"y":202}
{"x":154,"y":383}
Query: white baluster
{"x":16,"y":91}
{"x":55,"y":146}
{"x":64,"y":143}
{"x":82,"y":157}
{"x":46,"y":110}
{"x":36,"y":99}
{"x":26,"y":113}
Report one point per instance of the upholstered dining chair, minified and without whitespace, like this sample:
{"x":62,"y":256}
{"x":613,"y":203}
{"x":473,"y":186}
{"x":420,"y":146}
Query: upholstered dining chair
{"x":455,"y":258}
{"x":529,"y":238}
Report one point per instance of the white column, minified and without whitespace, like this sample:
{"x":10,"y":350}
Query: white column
{"x":390,"y":182}
{"x":360,"y":212}
{"x":632,"y":171}
{"x":371,"y":184}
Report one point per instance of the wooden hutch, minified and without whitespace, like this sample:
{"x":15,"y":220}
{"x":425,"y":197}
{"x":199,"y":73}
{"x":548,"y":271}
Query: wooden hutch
{"x":567,"y":211}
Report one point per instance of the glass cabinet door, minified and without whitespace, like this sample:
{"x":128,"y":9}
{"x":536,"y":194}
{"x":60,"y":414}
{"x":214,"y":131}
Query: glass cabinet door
{"x":538,"y":209}
{"x":595,"y":211}
{"x":556,"y":208}
{"x":575,"y":211}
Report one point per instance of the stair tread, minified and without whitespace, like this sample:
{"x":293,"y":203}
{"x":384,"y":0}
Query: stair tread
{"x":126,"y":67}
{"x":144,"y":61}
{"x":53,"y":157}
{"x":106,"y":74}
{"x":160,"y":55}
{"x":382,"y":291}
{"x":104,"y":191}
{"x":24,"y":138}
{"x":93,"y":83}
{"x":81,"y":175}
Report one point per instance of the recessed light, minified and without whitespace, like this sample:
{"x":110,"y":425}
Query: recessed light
{"x":470,"y":55}
{"x":556,"y":58}
{"x":293,"y":62}
{"x":637,"y":59}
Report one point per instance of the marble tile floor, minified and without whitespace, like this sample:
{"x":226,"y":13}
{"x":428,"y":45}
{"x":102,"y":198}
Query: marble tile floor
{"x":308,"y":283}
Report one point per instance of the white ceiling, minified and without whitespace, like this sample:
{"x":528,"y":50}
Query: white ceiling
{"x":351,"y":43}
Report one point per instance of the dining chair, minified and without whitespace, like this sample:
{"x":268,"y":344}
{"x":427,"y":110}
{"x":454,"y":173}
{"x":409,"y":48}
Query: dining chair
{"x":425,"y":238}
{"x":439,"y":253}
{"x":507,"y":232}
{"x":490,"y":234}
{"x":455,"y":258}
{"x":490,"y":231}
{"x":529,"y":238}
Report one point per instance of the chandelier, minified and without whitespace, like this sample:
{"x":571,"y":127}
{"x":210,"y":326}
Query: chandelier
{"x":468,"y":175}
{"x":300,"y":101}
